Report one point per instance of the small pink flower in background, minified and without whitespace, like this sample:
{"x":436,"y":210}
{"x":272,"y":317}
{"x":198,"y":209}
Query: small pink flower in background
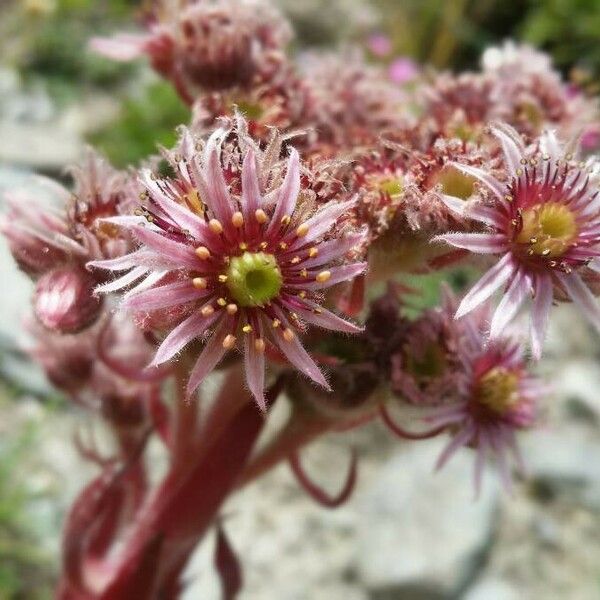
{"x":379,"y":44}
{"x":501,"y":399}
{"x":210,"y":45}
{"x":543,"y":224}
{"x":253,"y":265}
{"x":402,"y":70}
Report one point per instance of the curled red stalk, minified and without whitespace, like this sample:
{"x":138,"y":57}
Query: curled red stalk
{"x":402,"y":433}
{"x":318,"y":494}
{"x":447,"y":259}
{"x":139,"y":375}
{"x":227,"y":565}
{"x":353,"y":302}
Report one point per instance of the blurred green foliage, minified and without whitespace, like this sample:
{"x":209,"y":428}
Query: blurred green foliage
{"x":25,"y":569}
{"x":147,"y":120}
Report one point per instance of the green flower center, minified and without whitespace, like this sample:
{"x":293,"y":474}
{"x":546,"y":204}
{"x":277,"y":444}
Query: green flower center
{"x":548,"y":229}
{"x":455,"y":183}
{"x":254,"y":278}
{"x":391,"y":186}
{"x":498,"y":390}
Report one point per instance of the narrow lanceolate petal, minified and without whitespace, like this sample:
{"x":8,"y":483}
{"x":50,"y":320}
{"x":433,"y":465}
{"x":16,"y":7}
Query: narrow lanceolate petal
{"x":254,"y":362}
{"x":581,"y":295}
{"x":490,"y":283}
{"x":287,"y":193}
{"x":512,"y":152}
{"x":218,"y":199}
{"x":324,"y":318}
{"x":210,"y":356}
{"x":510,"y":304}
{"x":323,"y":220}
{"x":481,"y":243}
{"x":540,"y":313}
{"x":179,"y":254}
{"x":178,"y":293}
{"x":299,"y":357}
{"x":191,"y":328}
{"x":251,"y":197}
{"x":123,"y":281}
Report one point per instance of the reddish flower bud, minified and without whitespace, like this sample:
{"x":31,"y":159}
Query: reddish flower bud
{"x":64,"y":300}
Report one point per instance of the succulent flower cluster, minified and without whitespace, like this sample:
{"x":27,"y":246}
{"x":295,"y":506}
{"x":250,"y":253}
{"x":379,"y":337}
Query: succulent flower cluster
{"x":258,"y":249}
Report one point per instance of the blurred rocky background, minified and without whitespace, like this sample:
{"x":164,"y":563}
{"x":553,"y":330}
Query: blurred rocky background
{"x":407,"y":533}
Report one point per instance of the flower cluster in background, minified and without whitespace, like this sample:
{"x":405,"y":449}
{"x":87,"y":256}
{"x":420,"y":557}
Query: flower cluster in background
{"x":270,"y":243}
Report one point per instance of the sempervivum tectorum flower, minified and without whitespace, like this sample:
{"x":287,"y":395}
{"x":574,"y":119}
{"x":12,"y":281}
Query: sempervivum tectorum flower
{"x":543,"y":225}
{"x":529,"y":94}
{"x":250,"y":263}
{"x":53,"y":244}
{"x":499,"y":400}
{"x":353,"y":102}
{"x":207,"y":44}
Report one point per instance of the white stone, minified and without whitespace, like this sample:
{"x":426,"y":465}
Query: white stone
{"x":491,"y":588}
{"x":421,"y":533}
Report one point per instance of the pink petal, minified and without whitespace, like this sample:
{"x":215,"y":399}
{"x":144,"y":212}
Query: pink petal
{"x":481,"y":243}
{"x":487,"y":285}
{"x":334,"y":249}
{"x":460,"y":439}
{"x":254,"y":364}
{"x":164,"y":296}
{"x":210,"y":357}
{"x":219,"y":200}
{"x":179,"y":253}
{"x":323,"y":221}
{"x":338,"y":274}
{"x":542,"y":302}
{"x":251,"y":199}
{"x":510,"y":303}
{"x":287,"y":193}
{"x":325,"y":318}
{"x":192,"y":327}
{"x":495,"y":186}
{"x":582,"y":296}
{"x":123,"y":281}
{"x":122,"y":263}
{"x":296,"y":354}
{"x":512,"y":152}
{"x":184,"y":218}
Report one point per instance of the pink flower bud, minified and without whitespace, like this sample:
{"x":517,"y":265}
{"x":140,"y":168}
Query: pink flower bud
{"x":64,"y":300}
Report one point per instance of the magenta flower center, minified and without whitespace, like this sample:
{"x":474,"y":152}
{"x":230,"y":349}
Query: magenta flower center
{"x":548,"y":229}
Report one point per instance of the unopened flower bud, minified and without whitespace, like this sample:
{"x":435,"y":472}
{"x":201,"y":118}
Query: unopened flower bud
{"x":64,"y":300}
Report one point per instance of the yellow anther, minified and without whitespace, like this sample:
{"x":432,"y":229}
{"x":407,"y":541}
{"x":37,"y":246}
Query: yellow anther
{"x":302,"y":230}
{"x":313,"y":252}
{"x":237,"y":219}
{"x":288,"y":335}
{"x":261,"y":216}
{"x":276,"y":323}
{"x":283,"y":245}
{"x":295,"y":260}
{"x":222,"y":278}
{"x":247,"y":328}
{"x":199,"y":283}
{"x":229,"y":341}
{"x":304,"y":273}
{"x":323,"y":276}
{"x":231,"y":309}
{"x":243,"y":246}
{"x":207,"y":311}
{"x":215,"y":226}
{"x":202,"y":252}
{"x":222,"y":302}
{"x":285,"y":220}
{"x":259,"y":345}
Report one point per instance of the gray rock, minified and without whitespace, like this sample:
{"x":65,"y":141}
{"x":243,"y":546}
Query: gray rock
{"x":491,"y":588}
{"x":565,"y":462}
{"x":422,"y":535}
